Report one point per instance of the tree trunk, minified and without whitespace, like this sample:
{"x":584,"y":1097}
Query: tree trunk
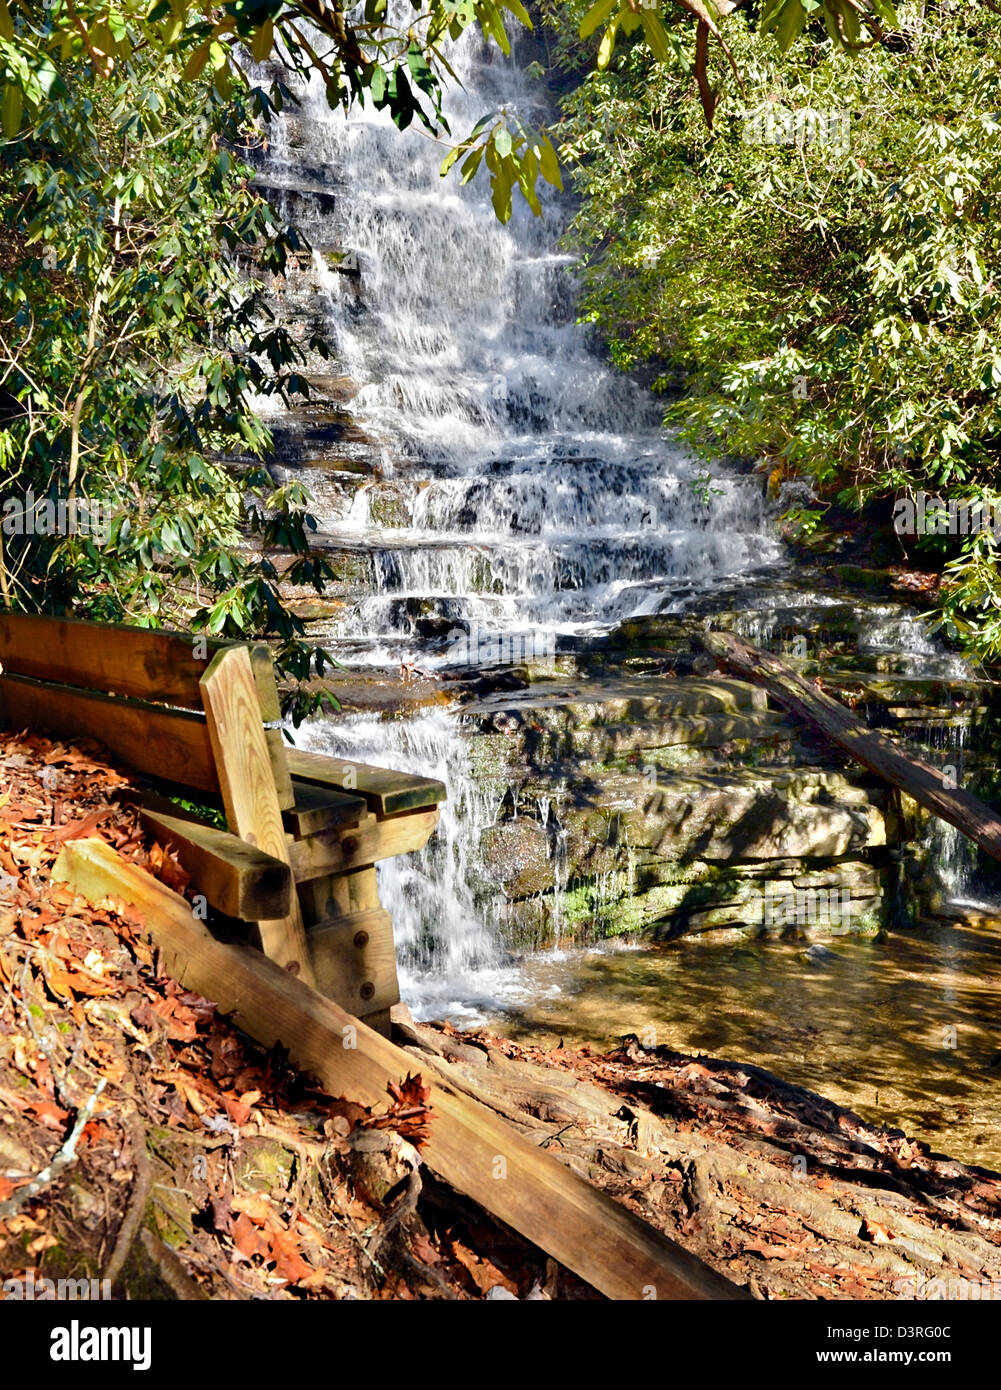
{"x":929,"y":787}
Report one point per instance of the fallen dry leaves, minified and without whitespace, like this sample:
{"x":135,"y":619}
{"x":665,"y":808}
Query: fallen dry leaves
{"x":256,"y":1179}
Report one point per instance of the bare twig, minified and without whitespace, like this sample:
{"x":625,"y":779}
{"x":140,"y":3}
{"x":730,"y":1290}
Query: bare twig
{"x":63,"y":1159}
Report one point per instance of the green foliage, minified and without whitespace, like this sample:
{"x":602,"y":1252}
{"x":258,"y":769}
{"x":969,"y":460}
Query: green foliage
{"x":211,"y":815}
{"x":367,"y":54}
{"x":131,"y":348}
{"x":823,"y":284}
{"x":515,"y":155}
{"x":832,"y":311}
{"x":851,"y":24}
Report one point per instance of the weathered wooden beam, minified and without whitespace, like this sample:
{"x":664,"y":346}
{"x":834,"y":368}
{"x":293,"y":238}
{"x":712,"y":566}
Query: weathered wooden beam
{"x":357,"y":968}
{"x":156,"y":666}
{"x":235,"y":877}
{"x":316,"y":808}
{"x":243,"y":764}
{"x":386,"y":792}
{"x":337,"y":895}
{"x":479,"y":1154}
{"x":353,"y":847}
{"x":886,"y":759}
{"x":163,"y":667}
{"x":262,"y":665}
{"x":354,"y":960}
{"x":170,"y":744}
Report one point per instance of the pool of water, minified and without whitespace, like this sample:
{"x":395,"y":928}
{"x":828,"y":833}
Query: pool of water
{"x":903,"y":1030}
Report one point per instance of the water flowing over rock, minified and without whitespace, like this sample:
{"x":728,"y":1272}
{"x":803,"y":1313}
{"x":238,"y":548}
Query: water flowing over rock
{"x":494,"y":495}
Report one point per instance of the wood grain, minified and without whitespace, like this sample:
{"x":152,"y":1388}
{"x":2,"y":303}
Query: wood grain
{"x":173,"y":745}
{"x":234,"y":877}
{"x":317,"y":808}
{"x":470,"y":1147}
{"x":386,"y":792}
{"x":151,"y":665}
{"x":354,"y":847}
{"x":243,"y":764}
{"x":263,"y":668}
{"x":354,"y":959}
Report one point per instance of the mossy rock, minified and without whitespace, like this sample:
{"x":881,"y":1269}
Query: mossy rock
{"x":263,"y":1165}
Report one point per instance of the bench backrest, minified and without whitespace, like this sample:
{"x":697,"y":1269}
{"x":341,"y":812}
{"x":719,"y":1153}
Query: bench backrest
{"x":188,"y":712}
{"x":135,"y":690}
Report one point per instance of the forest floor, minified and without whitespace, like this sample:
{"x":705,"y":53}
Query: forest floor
{"x":147,"y":1142}
{"x":771,"y":1184}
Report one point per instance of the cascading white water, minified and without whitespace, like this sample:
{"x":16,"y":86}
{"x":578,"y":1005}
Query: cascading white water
{"x":452,"y":962}
{"x":531,"y":487}
{"x":952,"y":856}
{"x":531,"y":482}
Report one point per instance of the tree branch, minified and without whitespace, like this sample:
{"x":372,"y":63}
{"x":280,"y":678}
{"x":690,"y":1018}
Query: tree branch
{"x":706,"y":94}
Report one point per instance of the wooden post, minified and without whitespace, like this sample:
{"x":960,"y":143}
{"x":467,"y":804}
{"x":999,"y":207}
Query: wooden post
{"x":350,"y":937}
{"x":262,"y":665}
{"x":243,"y":763}
{"x":351,"y":944}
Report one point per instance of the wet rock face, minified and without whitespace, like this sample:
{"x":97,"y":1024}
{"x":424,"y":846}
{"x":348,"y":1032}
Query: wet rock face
{"x":687,"y":820}
{"x":639,"y":788}
{"x":625,"y":847}
{"x":752,"y":818}
{"x":666,"y":804}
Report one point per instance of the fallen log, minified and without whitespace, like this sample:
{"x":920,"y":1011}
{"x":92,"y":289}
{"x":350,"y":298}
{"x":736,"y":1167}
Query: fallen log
{"x":470,"y":1148}
{"x":799,"y":1196}
{"x":924,"y":783}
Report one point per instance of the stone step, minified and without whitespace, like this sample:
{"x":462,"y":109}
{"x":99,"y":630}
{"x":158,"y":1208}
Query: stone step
{"x":604,"y":702}
{"x":621,"y":736}
{"x":705,"y":731}
{"x":880,"y":687}
{"x":679,"y":818}
{"x":697,"y":742}
{"x":728,"y":903}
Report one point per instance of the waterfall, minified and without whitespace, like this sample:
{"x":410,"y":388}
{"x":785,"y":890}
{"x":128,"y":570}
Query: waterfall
{"x":952,"y":856}
{"x":511,"y":480}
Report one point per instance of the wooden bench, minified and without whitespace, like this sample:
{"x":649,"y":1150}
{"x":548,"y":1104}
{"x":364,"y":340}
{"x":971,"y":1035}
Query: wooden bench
{"x":200,"y":719}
